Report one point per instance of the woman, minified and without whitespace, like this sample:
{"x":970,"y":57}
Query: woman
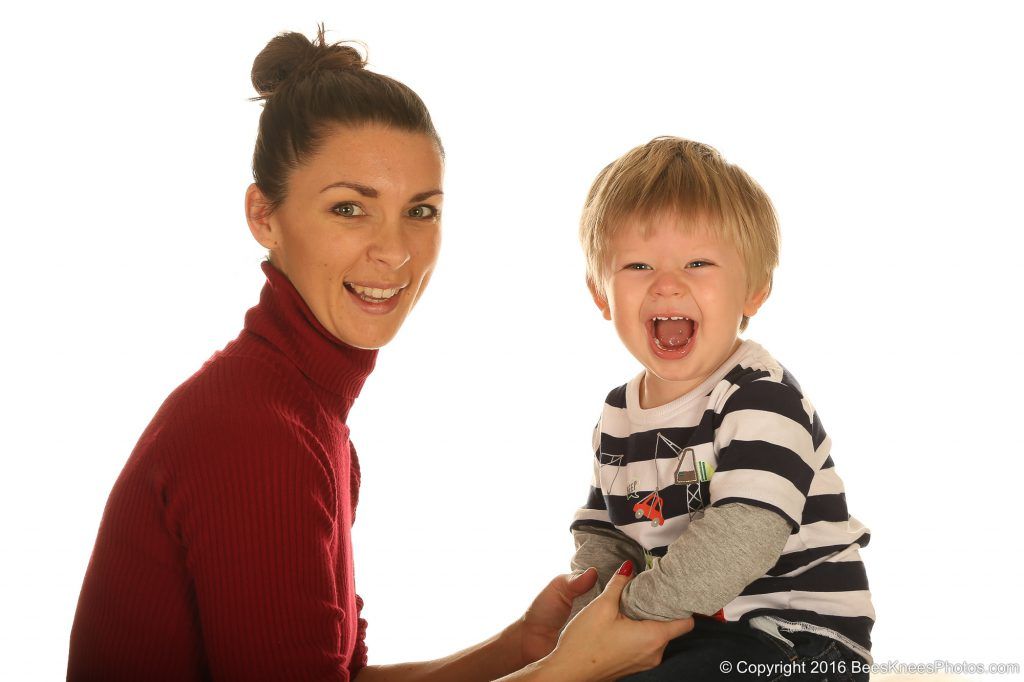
{"x":225,"y":548}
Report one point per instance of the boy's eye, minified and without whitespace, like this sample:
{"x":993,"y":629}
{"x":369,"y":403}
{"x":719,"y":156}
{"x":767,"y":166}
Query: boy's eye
{"x":348,"y":209}
{"x":424,"y":212}
{"x":698,"y":264}
{"x":638,"y":266}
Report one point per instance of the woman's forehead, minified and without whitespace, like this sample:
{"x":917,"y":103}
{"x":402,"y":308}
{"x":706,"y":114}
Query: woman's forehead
{"x":382,"y":159}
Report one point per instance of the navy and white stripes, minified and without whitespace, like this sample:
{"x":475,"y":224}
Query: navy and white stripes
{"x":746,"y":434}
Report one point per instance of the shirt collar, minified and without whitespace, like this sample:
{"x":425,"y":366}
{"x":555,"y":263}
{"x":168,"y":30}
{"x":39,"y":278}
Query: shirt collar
{"x":285,"y":321}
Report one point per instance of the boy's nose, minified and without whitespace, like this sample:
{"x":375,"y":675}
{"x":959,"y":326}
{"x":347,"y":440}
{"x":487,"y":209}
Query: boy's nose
{"x":669,"y":284}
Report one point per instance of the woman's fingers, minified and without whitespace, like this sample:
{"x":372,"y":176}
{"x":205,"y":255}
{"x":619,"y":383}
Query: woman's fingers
{"x":613,"y":590}
{"x":602,"y":644}
{"x":674,"y":628}
{"x":580,"y":583}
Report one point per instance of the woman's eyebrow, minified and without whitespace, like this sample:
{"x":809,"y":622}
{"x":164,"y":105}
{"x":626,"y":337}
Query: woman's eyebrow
{"x":362,"y":189}
{"x":370,"y":192}
{"x":425,"y":195}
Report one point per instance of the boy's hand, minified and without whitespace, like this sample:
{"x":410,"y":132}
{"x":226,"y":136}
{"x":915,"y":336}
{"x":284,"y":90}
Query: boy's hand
{"x":544,"y":620}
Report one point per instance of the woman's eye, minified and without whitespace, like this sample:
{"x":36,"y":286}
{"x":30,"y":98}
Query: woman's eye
{"x":348,"y":210}
{"x":638,"y":266}
{"x":424,"y":212}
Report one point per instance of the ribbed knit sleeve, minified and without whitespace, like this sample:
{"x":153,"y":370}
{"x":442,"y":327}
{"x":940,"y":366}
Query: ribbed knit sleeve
{"x":257,"y":500}
{"x":360,"y":655}
{"x":225,"y":548}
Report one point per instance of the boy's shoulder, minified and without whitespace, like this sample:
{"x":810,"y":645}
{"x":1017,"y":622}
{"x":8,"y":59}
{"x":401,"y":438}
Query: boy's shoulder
{"x":750,"y":375}
{"x":756,"y":366}
{"x":617,"y":397}
{"x":761,"y":383}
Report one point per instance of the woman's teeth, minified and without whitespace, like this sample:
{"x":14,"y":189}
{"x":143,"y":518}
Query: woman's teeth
{"x":371,"y":294}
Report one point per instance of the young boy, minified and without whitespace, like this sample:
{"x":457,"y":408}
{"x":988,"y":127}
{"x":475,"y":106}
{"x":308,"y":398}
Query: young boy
{"x":712,"y":470}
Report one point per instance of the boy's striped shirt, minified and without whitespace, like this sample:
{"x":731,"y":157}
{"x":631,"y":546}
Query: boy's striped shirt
{"x":746,"y":434}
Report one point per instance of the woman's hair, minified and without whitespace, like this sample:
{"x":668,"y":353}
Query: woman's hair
{"x":309,"y":87}
{"x":689,"y":180}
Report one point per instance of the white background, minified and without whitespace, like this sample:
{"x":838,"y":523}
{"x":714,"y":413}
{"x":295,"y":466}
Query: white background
{"x":887,"y":134}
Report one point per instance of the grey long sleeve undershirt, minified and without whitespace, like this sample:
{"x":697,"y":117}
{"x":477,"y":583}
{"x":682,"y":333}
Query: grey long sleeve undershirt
{"x":704,"y":569}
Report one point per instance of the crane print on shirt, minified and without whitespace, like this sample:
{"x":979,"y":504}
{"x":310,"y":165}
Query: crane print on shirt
{"x":687,"y":484}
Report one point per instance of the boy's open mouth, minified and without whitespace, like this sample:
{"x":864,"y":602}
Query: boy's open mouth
{"x":672,"y":333}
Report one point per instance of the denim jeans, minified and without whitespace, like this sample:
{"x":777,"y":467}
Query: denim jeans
{"x":734,"y":651}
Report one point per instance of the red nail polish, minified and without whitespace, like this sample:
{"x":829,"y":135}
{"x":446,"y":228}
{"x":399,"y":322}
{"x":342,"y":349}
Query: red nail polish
{"x":626,"y":568}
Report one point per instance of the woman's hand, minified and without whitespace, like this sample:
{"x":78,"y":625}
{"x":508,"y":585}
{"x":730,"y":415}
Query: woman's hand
{"x":602,"y":644}
{"x":598,"y":644}
{"x":544,"y":620}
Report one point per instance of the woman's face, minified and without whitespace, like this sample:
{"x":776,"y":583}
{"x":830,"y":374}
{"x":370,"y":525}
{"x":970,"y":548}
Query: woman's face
{"x":359,"y":230}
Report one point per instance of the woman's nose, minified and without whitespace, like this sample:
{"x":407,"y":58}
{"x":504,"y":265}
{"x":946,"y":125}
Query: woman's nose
{"x":389,"y":246}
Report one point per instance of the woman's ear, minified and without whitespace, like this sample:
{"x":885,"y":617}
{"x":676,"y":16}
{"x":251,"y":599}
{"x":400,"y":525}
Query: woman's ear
{"x":257,"y":214}
{"x":599,"y":299}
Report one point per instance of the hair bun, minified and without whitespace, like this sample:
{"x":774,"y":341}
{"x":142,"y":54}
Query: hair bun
{"x":291,"y":56}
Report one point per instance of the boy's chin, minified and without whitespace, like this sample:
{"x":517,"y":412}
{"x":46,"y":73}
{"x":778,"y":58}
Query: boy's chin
{"x":661,"y":387}
{"x":671,"y":378}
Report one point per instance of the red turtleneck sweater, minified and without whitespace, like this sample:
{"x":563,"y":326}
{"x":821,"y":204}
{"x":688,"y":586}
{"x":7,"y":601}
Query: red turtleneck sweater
{"x":225,"y":551}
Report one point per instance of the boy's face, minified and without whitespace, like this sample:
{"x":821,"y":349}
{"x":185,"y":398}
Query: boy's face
{"x":677,"y":299}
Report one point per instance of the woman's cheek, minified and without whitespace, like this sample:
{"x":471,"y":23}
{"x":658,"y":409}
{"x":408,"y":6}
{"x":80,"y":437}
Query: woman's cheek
{"x":427,"y":246}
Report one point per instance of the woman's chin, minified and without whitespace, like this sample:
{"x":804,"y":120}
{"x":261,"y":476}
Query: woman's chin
{"x":370,"y":334}
{"x":366,"y":341}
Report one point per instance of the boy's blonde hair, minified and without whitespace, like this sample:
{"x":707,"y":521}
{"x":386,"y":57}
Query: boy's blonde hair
{"x":693,"y":181}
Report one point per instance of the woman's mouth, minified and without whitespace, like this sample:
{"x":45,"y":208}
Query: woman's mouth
{"x":377,"y":300}
{"x":372,"y":294}
{"x":672,"y":336}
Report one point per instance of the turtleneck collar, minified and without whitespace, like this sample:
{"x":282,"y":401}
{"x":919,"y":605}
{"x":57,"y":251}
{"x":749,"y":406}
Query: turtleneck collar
{"x":284,"y":320}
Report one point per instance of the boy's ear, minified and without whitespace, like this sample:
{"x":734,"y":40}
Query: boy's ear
{"x":599,"y":300}
{"x":755,"y":300}
{"x":257,"y":214}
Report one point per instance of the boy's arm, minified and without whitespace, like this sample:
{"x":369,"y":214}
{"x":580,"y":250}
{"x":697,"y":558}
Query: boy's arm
{"x":768,"y":452}
{"x":604,"y":549}
{"x":708,"y":565}
{"x":599,"y":543}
